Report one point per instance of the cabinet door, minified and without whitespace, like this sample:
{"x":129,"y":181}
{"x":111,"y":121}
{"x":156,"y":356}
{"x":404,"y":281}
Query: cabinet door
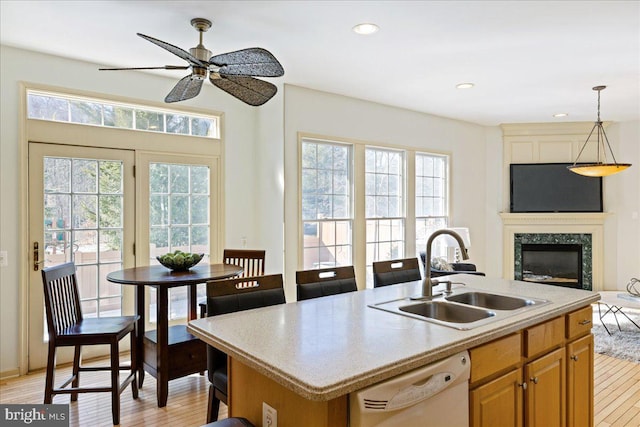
{"x":580,"y":382}
{"x":546,"y":397}
{"x":498,"y":403}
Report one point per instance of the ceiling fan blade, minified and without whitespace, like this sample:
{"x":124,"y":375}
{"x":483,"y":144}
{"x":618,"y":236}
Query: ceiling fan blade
{"x":176,"y":51}
{"x":166,"y":67}
{"x":247,"y":89}
{"x":254,"y":61}
{"x":187,"y":88}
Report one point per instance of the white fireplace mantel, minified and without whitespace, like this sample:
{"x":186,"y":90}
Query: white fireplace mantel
{"x":579,"y":223}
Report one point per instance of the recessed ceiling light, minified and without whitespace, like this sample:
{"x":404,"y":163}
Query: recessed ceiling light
{"x":561,"y":115}
{"x":465,"y":86}
{"x":365,"y":29}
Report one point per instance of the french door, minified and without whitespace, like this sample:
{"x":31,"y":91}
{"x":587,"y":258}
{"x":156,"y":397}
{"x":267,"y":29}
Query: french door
{"x":81,"y":209}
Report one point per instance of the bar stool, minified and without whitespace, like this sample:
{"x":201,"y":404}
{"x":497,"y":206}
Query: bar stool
{"x":230,"y":422}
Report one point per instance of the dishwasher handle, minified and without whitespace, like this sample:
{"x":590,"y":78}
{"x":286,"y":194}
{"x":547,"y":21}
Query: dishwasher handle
{"x":420,"y":390}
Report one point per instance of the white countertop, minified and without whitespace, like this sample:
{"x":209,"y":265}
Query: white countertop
{"x":327,"y":347}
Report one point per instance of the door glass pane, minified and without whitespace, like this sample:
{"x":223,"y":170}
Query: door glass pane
{"x":179,"y":220}
{"x":83,"y":206}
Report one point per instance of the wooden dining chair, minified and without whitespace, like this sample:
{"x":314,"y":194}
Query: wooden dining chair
{"x":228,"y":296}
{"x":251,"y":260}
{"x":68,"y":328}
{"x":325,"y":281}
{"x":395,"y":271}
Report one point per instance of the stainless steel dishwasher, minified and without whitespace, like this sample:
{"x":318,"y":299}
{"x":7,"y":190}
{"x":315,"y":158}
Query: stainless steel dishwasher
{"x":436,"y":395}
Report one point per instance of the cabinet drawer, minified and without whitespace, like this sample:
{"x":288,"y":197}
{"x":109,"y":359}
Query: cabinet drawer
{"x":579,"y":322}
{"x":495,"y":356}
{"x":543,"y":337}
{"x":187,"y":358}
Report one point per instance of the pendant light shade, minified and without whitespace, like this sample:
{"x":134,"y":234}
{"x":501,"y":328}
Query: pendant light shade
{"x":600,"y":168}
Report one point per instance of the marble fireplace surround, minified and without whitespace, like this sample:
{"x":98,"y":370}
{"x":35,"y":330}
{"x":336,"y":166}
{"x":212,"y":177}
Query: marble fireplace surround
{"x":555,"y":223}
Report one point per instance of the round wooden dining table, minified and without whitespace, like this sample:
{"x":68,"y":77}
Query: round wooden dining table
{"x":169,"y":352}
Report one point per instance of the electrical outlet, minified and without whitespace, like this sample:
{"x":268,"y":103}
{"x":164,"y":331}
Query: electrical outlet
{"x":3,"y":259}
{"x":269,"y":416}
{"x":243,"y":241}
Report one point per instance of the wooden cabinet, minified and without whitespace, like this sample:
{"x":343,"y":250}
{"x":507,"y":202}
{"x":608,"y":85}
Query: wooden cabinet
{"x":499,"y":402}
{"x":580,"y":382}
{"x":539,"y":377}
{"x":545,"y":401}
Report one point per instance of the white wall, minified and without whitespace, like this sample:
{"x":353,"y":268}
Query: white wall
{"x":622,"y":199}
{"x":243,"y":148}
{"x":328,"y":114}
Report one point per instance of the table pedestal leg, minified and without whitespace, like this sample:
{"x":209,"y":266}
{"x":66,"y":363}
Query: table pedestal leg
{"x":162,"y":346}
{"x":140,"y":337}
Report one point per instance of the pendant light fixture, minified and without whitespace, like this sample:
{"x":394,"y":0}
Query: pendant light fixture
{"x":600,"y":168}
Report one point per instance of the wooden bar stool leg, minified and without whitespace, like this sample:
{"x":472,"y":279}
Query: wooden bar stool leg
{"x":115,"y":383}
{"x":51,"y":363}
{"x":134,"y":365}
{"x":214,"y":405}
{"x":77,"y":355}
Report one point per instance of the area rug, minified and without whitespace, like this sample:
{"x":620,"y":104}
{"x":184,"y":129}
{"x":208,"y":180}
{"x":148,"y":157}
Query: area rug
{"x":622,"y":344}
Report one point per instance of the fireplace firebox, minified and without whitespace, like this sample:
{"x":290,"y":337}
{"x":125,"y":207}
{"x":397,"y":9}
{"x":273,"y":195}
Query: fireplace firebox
{"x":553,"y":264}
{"x":567,"y":256}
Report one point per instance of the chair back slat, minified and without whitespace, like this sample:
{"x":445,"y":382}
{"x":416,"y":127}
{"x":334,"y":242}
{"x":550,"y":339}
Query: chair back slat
{"x":61,"y":297}
{"x":251,"y":260}
{"x":395,"y":271}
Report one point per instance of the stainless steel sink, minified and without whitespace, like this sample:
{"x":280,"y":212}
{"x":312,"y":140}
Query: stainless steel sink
{"x":465,"y":309}
{"x":447,"y":312}
{"x":491,"y":301}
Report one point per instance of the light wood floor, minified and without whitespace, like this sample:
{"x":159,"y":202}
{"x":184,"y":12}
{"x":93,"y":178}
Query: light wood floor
{"x":617,"y":398}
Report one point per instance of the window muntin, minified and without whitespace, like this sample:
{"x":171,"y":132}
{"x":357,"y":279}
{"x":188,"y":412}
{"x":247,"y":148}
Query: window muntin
{"x":432,"y":203}
{"x":87,"y":111}
{"x":326,"y":204}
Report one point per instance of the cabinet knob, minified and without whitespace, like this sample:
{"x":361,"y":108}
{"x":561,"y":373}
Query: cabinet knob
{"x":534,"y":380}
{"x":574,"y":357}
{"x":584,"y":322}
{"x":523,"y":385}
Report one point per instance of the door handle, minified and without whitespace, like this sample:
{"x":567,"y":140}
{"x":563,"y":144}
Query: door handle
{"x":36,"y":256}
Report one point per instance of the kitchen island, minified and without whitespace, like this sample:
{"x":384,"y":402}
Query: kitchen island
{"x":304,"y":358}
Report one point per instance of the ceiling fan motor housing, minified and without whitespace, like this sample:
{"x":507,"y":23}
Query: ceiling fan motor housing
{"x":201,"y":52}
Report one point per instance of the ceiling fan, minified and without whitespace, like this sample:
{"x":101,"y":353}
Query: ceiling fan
{"x":233,"y":72}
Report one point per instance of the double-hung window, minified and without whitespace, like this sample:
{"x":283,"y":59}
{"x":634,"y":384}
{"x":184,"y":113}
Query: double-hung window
{"x":432,"y":207}
{"x":384,"y":205}
{"x":326,"y":204}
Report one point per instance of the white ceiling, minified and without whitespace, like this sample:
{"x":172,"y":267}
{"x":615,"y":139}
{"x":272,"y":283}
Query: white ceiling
{"x":528,"y":59}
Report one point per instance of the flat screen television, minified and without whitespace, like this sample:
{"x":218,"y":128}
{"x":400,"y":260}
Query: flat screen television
{"x":551,"y":187}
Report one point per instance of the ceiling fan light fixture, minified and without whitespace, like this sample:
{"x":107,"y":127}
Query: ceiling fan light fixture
{"x":598,"y":168}
{"x":365,"y":29}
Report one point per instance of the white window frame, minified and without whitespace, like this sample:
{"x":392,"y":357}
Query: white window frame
{"x":335,"y":220}
{"x":420,"y":241}
{"x":358,"y":194}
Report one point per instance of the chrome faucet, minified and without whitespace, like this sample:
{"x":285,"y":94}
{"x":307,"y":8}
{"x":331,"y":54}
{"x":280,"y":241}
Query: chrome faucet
{"x":428,"y":282}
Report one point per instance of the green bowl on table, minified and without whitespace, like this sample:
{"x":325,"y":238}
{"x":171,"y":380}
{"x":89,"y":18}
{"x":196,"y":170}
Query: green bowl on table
{"x":179,"y":261}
